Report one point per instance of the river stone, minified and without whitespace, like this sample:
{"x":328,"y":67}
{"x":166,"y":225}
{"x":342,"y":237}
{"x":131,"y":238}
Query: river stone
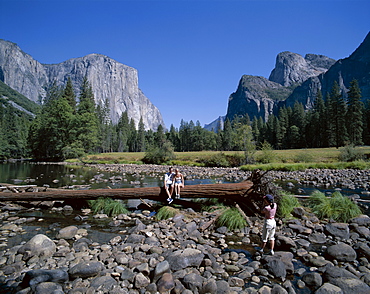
{"x":312,"y":280}
{"x":342,"y":252}
{"x":34,"y":277}
{"x":300,"y":229}
{"x":127,"y":274}
{"x":363,"y":231}
{"x":40,"y":246}
{"x":166,"y":283}
{"x":362,"y":220}
{"x":160,"y":269}
{"x":277,"y":289}
{"x":67,"y":233}
{"x":104,"y":283}
{"x":139,"y":226}
{"x":181,"y":259}
{"x":362,"y":250}
{"x":223,"y":287}
{"x":333,"y":272}
{"x":86,"y":269}
{"x":276,"y":267}
{"x":285,"y":243}
{"x":285,"y":257}
{"x":351,"y":285}
{"x":135,"y":239}
{"x":210,"y":286}
{"x":193,"y":282}
{"x":317,"y":238}
{"x":340,"y":230}
{"x":236,"y":282}
{"x":49,"y":287}
{"x":141,"y":281}
{"x":328,"y":288}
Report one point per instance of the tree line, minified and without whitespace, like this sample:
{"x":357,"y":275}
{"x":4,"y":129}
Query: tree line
{"x":67,"y":127}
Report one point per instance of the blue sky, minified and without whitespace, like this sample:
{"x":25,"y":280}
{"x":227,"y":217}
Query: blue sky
{"x":190,"y":54}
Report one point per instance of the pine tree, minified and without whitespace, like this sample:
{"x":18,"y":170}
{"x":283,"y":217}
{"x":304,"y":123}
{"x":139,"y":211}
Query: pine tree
{"x":69,"y":94}
{"x":227,"y":135}
{"x":337,"y":117}
{"x":141,"y":136}
{"x":355,"y":114}
{"x":122,"y":130}
{"x":87,"y":119}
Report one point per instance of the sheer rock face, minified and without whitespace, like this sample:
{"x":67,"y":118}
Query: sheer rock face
{"x":260,"y":97}
{"x":253,"y":97}
{"x":300,"y":79}
{"x":292,"y":68}
{"x":109,"y":79}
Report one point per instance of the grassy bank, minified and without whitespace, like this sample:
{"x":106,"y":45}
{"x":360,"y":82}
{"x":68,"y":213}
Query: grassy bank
{"x":293,"y":159}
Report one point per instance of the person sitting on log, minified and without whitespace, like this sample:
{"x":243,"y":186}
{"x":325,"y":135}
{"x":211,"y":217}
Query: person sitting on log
{"x":179,"y":182}
{"x":168,"y":184}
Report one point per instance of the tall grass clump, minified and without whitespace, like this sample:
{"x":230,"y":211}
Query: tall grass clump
{"x":108,"y":206}
{"x":166,"y":212}
{"x":286,"y":205}
{"x":336,"y":207}
{"x":232,"y":219}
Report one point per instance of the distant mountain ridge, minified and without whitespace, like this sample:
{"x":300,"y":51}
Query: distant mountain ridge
{"x":297,"y":78}
{"x":111,"y":80}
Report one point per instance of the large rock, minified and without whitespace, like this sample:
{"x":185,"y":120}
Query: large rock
{"x":34,"y":277}
{"x":342,"y":252}
{"x":109,"y":79}
{"x":340,"y":230}
{"x":181,"y":259}
{"x":328,"y":288}
{"x":40,"y":246}
{"x":67,"y":233}
{"x":86,"y":269}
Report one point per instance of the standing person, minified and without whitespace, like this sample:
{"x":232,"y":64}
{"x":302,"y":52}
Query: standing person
{"x":168,"y":184}
{"x":179,"y":182}
{"x":269,"y":224}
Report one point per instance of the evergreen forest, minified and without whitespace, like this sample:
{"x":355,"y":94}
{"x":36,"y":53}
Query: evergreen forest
{"x":66,"y":126}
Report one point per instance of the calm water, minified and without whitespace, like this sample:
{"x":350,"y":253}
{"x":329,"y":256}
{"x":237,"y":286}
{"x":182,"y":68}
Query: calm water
{"x":59,"y":175}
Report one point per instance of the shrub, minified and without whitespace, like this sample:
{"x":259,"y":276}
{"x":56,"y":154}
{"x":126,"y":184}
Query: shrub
{"x":216,"y":160}
{"x":236,"y":159}
{"x":350,"y":153}
{"x":304,"y":157}
{"x":108,"y":206}
{"x":286,"y":205}
{"x":337,"y":207}
{"x":159,"y":155}
{"x":268,"y":154}
{"x":232,"y":219}
{"x":166,"y":212}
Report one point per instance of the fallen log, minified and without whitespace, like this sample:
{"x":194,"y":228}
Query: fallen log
{"x":233,"y":190}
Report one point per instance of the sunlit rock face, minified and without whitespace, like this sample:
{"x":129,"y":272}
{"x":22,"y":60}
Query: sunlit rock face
{"x":113,"y":83}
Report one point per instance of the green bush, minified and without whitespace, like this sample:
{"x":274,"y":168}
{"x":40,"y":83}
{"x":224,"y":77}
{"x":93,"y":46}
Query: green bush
{"x":304,"y":157}
{"x":350,"y":153}
{"x":166,"y":212}
{"x":286,"y":205}
{"x":336,"y":207}
{"x":268,"y":155}
{"x":232,"y":219}
{"x":108,"y":206}
{"x":216,"y":160}
{"x":159,"y":155}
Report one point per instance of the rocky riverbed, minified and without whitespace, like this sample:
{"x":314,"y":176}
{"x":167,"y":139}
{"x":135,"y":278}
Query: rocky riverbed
{"x":187,"y":253}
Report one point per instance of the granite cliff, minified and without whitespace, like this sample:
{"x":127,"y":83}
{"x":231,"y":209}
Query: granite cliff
{"x":298,"y":78}
{"x":260,"y":97}
{"x":111,"y":80}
